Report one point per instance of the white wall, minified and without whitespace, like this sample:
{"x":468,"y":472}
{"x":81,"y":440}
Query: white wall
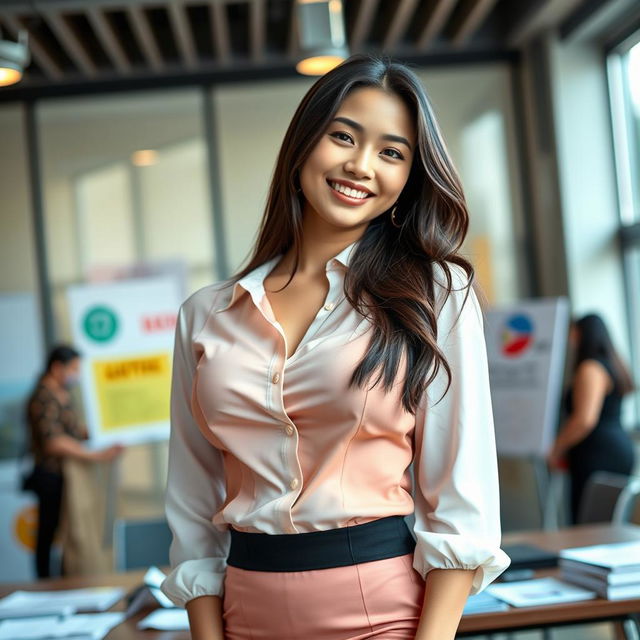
{"x":17,"y":246}
{"x":587,"y":186}
{"x":251,"y":122}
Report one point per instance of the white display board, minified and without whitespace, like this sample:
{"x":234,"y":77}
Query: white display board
{"x":124,"y":331}
{"x":526,"y":347}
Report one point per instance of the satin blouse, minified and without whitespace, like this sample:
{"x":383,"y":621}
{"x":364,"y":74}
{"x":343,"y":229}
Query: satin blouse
{"x":267,"y":441}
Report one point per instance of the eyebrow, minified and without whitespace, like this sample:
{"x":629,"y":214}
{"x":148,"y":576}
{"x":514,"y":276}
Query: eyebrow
{"x":358,"y":127}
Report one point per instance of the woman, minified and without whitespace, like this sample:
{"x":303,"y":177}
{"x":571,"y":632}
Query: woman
{"x":55,"y":433}
{"x":305,"y":386}
{"x":592,"y":437}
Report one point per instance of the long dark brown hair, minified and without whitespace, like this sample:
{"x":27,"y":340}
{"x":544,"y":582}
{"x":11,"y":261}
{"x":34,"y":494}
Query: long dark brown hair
{"x":390,"y":279}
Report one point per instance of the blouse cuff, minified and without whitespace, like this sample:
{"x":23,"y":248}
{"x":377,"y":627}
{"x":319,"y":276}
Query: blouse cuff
{"x":194,"y":578}
{"x":453,"y":551}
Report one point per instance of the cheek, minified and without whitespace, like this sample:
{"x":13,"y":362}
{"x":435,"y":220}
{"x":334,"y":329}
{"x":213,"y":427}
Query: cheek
{"x":394,"y":182}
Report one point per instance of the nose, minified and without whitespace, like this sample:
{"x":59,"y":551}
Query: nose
{"x":360,"y":163}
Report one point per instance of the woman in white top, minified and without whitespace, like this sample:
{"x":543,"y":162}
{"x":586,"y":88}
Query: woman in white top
{"x":304,"y":388}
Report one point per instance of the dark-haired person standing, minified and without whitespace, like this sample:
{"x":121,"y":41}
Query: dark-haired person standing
{"x":55,"y":433}
{"x":592,"y":437}
{"x":350,"y":346}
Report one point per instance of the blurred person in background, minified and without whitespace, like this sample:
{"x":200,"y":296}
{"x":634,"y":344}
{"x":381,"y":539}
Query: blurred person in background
{"x":592,"y":437}
{"x":56,"y":432}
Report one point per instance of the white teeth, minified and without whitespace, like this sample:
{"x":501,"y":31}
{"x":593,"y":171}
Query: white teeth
{"x":348,"y":191}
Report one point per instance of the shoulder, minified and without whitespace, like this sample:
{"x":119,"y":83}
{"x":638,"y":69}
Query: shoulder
{"x":594,"y":373}
{"x":195,"y":310}
{"x":453,"y":289}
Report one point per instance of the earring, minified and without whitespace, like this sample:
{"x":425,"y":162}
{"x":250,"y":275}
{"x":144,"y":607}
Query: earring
{"x":394,"y":222}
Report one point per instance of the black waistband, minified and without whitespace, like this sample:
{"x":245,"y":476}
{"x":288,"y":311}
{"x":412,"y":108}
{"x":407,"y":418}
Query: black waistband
{"x":376,"y":540}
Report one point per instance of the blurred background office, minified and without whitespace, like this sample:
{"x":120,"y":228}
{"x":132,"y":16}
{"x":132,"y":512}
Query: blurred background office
{"x":139,"y":142}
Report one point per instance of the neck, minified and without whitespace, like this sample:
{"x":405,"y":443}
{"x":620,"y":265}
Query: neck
{"x":320,"y":243}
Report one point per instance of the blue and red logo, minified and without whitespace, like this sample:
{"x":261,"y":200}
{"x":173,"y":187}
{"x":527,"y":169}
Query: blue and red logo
{"x":517,"y":335}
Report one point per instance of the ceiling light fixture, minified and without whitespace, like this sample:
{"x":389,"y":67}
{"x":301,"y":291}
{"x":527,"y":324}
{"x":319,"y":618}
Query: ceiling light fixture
{"x":14,"y":57}
{"x":322,"y":37}
{"x":144,"y":157}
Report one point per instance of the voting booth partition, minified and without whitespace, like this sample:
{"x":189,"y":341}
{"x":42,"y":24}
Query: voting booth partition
{"x":526,"y":347}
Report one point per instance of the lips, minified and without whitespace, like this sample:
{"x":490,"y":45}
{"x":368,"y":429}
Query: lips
{"x":349,"y":189}
{"x":352,"y":201}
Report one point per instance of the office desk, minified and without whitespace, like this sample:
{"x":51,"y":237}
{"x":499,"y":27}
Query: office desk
{"x":560,"y":614}
{"x":511,"y":620}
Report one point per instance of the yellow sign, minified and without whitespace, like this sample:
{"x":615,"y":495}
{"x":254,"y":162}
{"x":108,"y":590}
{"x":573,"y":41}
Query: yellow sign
{"x":134,"y":390}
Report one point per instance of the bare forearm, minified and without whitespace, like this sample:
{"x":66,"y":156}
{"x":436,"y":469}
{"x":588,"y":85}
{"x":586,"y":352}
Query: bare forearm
{"x":572,"y":432}
{"x":205,"y":618}
{"x":62,"y":446}
{"x":446,"y":592}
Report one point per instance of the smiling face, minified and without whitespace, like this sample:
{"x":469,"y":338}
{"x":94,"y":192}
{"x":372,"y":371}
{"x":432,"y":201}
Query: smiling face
{"x":361,"y":163}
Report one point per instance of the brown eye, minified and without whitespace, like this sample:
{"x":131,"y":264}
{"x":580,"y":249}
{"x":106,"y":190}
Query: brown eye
{"x":398,"y":155}
{"x":337,"y":135}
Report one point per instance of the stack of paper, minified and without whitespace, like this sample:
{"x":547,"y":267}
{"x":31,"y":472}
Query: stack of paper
{"x":483,"y":603}
{"x":541,"y":591}
{"x":611,"y":570}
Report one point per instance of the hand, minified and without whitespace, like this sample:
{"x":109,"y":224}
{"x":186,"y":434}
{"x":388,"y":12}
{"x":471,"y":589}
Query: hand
{"x":109,"y":454}
{"x":556,"y":461}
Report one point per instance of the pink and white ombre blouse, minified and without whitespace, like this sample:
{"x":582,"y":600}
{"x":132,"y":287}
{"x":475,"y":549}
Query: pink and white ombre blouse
{"x":267,"y":443}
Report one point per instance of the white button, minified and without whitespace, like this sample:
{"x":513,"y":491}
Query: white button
{"x":294,"y":483}
{"x":329,"y":306}
{"x":276,"y":377}
{"x":289,"y":430}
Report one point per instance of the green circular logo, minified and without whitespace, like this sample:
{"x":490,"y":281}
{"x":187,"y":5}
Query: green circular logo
{"x":100,"y":324}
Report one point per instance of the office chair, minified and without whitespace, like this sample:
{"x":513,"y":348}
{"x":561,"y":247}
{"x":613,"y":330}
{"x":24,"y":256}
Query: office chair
{"x":627,"y":503}
{"x":601,"y":495}
{"x":139,"y":544}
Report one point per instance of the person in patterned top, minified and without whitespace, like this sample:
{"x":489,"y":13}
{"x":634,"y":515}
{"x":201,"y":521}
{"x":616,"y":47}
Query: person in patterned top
{"x":55,"y":432}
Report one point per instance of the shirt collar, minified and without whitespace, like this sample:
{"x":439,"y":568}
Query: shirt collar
{"x":253,"y":282}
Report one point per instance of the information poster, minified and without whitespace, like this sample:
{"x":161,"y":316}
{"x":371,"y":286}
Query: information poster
{"x":526,"y":346}
{"x":124,"y":331}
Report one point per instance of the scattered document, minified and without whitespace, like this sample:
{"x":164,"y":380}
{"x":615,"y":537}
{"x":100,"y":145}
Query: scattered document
{"x":94,"y":626}
{"x":166,"y":620}
{"x":94,"y":599}
{"x":541,"y":591}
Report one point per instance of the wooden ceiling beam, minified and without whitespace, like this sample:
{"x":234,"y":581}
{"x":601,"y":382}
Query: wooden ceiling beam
{"x":146,"y":41}
{"x":472,"y":15}
{"x":257,"y":29}
{"x":107,"y":39}
{"x":69,"y":42}
{"x":364,"y":20}
{"x":182,"y":32}
{"x":399,"y":23}
{"x":542,"y":15}
{"x":220,"y":31}
{"x":435,"y":23}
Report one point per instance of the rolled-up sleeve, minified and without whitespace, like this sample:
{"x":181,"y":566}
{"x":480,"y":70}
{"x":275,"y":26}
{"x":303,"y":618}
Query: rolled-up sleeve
{"x":457,"y":506}
{"x":195,"y":487}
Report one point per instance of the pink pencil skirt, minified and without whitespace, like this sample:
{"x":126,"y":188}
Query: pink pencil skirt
{"x":379,"y":599}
